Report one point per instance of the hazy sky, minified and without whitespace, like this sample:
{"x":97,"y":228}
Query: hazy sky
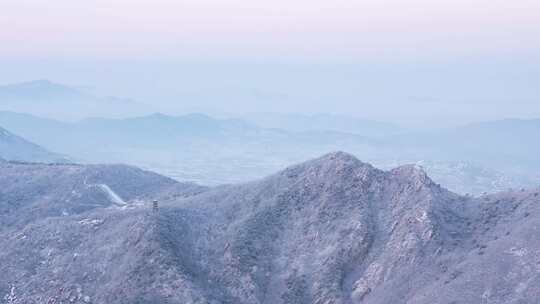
{"x":253,"y":28}
{"x":381,"y":58}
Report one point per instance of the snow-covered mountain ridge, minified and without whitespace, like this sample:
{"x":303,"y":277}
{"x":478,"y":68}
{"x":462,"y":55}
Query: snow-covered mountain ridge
{"x":330,"y":230}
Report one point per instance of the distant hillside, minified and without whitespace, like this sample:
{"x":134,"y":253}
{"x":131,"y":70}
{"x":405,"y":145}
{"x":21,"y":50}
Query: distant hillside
{"x":191,"y":132}
{"x":13,"y":147}
{"x":53,"y":100}
{"x":330,"y":230}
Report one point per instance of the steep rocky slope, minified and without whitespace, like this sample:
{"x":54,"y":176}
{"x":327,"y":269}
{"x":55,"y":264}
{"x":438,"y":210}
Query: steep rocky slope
{"x":331,"y":230}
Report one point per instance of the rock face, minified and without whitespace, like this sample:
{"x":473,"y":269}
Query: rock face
{"x":331,"y":230}
{"x":13,"y":147}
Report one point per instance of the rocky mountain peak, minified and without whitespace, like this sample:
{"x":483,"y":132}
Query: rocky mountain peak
{"x":340,"y":159}
{"x":411,"y":171}
{"x":412,"y":174}
{"x":335,"y":165}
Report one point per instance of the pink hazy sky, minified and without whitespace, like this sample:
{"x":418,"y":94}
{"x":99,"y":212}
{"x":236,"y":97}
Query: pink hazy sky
{"x":281,"y":28}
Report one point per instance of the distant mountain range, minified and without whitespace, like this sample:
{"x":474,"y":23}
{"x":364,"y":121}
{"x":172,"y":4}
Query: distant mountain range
{"x":193,"y":134}
{"x":330,"y":230}
{"x":214,"y":151}
{"x":15,"y":148}
{"x":53,"y":100}
{"x":474,"y":158}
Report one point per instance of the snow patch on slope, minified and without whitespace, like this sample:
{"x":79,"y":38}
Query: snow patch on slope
{"x":113,"y":196}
